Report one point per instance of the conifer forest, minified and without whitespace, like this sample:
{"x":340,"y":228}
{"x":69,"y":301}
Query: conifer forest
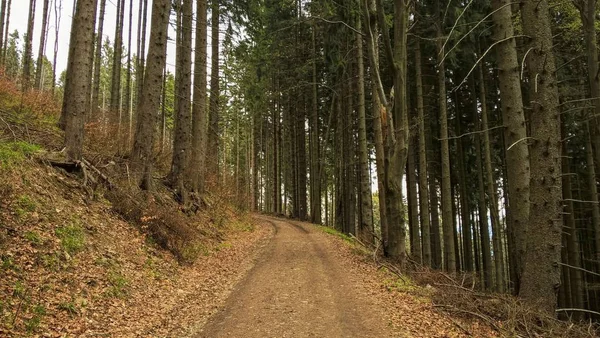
{"x":456,"y":143}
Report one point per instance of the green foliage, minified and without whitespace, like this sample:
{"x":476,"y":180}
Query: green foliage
{"x":33,"y":237}
{"x":191,"y":251}
{"x":8,"y":263}
{"x":69,"y":307}
{"x":25,"y":205}
{"x":13,"y":153}
{"x":51,"y":261}
{"x":33,"y":324}
{"x":19,"y":290}
{"x":72,"y":238}
{"x":118,"y":284}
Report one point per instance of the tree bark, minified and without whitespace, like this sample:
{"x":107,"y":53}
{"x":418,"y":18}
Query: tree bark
{"x":200,"y":115}
{"x":447,"y":219}
{"x":98,"y":62}
{"x":213,"y":129}
{"x":27,"y":52}
{"x":183,"y":124}
{"x":115,"y":91}
{"x":541,"y":274}
{"x":379,"y":110}
{"x":515,"y":132}
{"x":142,"y":155}
{"x":42,"y":47}
{"x":365,"y":229}
{"x":76,"y":95}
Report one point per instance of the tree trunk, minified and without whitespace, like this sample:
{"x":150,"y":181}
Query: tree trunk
{"x":139,"y":77}
{"x":212,"y":157}
{"x":572,"y":237}
{"x":366,"y":208}
{"x":115,"y":91}
{"x":541,"y":274}
{"x":517,"y":153}
{"x":6,"y":32}
{"x":483,"y":215}
{"x":465,"y":213}
{"x":141,"y":155}
{"x":42,"y":47}
{"x":182,"y":129}
{"x":379,"y":110}
{"x":587,"y":11}
{"x":57,"y":7}
{"x":27,"y":52}
{"x":3,"y":19}
{"x":423,"y":172}
{"x":315,"y":172}
{"x":76,"y":95}
{"x":98,"y":62}
{"x":200,"y":115}
{"x":447,"y":219}
{"x":128,"y":96}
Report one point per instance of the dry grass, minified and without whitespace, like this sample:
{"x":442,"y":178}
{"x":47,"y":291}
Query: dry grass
{"x":508,"y":315}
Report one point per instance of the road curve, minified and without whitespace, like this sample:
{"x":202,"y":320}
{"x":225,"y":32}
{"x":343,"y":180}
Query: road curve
{"x":298,"y":289}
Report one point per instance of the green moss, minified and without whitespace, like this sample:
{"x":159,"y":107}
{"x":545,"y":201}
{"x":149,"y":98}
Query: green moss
{"x":334,"y":232}
{"x":13,"y":153}
{"x":72,"y":238}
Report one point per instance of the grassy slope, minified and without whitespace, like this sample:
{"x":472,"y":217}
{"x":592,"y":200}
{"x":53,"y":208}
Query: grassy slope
{"x":71,"y":266}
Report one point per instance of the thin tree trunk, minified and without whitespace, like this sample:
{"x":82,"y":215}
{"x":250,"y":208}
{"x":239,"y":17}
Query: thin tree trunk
{"x":491,"y":192}
{"x":572,"y":237}
{"x":448,"y":223}
{"x":7,"y":30}
{"x":115,"y":91}
{"x":127,"y":104}
{"x":213,"y":129}
{"x":379,"y":110}
{"x":3,"y":19}
{"x":141,"y":56}
{"x":200,"y":115}
{"x":98,"y":62}
{"x":483,"y":215}
{"x":315,"y":209}
{"x":182,"y":129}
{"x":57,"y":16}
{"x":423,"y":172}
{"x":42,"y":47}
{"x":465,"y":213}
{"x":366,"y":208}
{"x":28,"y":53}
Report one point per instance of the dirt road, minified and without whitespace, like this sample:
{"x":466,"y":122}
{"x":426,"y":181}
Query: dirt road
{"x":298,"y":289}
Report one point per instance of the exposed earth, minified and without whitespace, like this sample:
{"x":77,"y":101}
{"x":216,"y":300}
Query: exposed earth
{"x":298,"y":289}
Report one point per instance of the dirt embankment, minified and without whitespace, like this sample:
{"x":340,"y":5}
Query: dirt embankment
{"x":70,"y":266}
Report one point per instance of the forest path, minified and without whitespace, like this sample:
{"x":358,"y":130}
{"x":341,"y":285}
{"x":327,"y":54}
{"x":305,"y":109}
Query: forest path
{"x":298,"y":289}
